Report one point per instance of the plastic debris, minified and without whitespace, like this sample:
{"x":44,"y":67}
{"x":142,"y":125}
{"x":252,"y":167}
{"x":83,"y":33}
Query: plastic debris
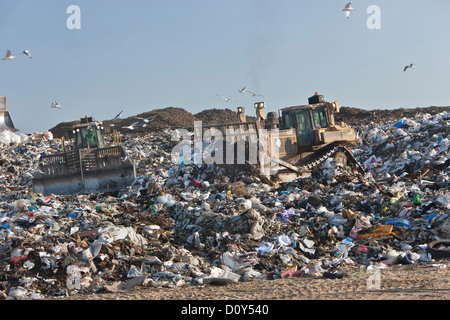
{"x":219,"y":276}
{"x":187,"y":224}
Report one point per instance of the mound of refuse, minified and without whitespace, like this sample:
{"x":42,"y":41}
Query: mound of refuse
{"x":156,"y":120}
{"x":357,"y":116}
{"x":196,"y":225}
{"x":177,"y":117}
{"x":214,"y":116}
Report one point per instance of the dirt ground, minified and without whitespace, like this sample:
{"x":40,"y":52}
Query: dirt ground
{"x":422,"y":281}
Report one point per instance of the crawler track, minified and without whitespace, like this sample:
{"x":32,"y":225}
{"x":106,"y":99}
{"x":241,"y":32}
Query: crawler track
{"x":318,"y":158}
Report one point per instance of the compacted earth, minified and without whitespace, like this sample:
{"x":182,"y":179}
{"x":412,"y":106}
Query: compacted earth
{"x":422,"y":281}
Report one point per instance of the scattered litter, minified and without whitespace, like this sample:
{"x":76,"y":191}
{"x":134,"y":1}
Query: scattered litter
{"x":221,"y":277}
{"x":199,"y":224}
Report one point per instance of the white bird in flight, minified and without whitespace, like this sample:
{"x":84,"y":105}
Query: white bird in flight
{"x":56,"y":105}
{"x":225,"y":98}
{"x":146,"y":120}
{"x":92,"y":124}
{"x":143,"y":125}
{"x":27,"y":53}
{"x":408,"y":67}
{"x":254,"y":93}
{"x":348,"y":8}
{"x":242,"y":90}
{"x":117,"y":116}
{"x":9,"y":55}
{"x":131,"y":126}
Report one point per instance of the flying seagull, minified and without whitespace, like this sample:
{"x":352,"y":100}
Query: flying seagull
{"x":407,"y":67}
{"x":254,"y":93}
{"x":56,"y":105}
{"x":242,"y":90}
{"x":225,"y":98}
{"x":27,"y":53}
{"x":9,"y":55}
{"x":117,"y":116}
{"x":92,"y":124}
{"x":146,"y":120}
{"x":143,"y":125}
{"x":131,"y":126}
{"x":348,"y":8}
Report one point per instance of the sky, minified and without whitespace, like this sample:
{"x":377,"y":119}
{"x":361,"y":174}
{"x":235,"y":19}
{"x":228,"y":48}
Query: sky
{"x":142,"y":55}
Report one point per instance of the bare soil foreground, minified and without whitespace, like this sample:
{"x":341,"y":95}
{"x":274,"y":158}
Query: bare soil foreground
{"x":422,"y":281}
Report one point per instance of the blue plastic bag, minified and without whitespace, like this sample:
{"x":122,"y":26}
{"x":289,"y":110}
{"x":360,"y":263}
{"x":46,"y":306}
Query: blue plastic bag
{"x":398,"y":223}
{"x":400,"y":124}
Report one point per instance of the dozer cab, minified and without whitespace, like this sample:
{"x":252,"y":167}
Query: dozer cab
{"x":296,"y":139}
{"x":88,"y":166}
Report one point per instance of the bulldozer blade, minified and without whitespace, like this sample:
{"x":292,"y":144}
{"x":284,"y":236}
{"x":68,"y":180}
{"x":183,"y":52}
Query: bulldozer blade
{"x":102,"y":181}
{"x":101,"y":170}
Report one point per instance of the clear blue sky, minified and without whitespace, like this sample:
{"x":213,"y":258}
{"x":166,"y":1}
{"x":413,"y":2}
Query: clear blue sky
{"x":141,"y":55}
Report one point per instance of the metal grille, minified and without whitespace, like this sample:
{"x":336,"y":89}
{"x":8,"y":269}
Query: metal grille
{"x":90,"y":160}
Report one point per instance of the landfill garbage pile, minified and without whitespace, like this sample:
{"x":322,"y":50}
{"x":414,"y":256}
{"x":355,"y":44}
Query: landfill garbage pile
{"x":193,"y":225}
{"x":157,"y":120}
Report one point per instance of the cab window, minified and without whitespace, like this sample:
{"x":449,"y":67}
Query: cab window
{"x":91,"y":138}
{"x":320,"y":118}
{"x":304,"y":129}
{"x":287,"y":120}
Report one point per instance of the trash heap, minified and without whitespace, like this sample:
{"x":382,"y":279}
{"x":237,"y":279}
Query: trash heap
{"x":185,"y":224}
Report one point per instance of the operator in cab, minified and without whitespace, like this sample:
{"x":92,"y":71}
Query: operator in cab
{"x":91,"y":139}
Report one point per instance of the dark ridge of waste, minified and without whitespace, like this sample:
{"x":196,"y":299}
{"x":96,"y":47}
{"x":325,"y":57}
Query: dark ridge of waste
{"x":177,"y":117}
{"x":356,"y":116}
{"x":165,"y":118}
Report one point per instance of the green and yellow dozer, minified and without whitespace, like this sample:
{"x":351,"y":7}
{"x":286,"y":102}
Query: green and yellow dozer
{"x":87,"y":166}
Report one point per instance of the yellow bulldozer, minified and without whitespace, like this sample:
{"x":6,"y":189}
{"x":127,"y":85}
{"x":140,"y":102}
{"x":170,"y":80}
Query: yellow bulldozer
{"x":87,"y":166}
{"x":295,"y":139}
